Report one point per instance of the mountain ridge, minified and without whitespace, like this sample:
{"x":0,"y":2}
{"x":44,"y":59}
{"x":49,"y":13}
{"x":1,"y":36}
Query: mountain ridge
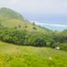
{"x":11,"y":18}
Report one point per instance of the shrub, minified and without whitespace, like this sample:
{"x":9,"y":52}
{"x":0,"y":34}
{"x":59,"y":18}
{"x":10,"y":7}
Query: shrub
{"x":63,"y":46}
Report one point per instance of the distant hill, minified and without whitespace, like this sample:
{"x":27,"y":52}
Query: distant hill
{"x":10,"y":14}
{"x":12,"y":19}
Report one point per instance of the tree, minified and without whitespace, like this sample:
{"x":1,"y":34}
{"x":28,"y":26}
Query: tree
{"x":39,"y":42}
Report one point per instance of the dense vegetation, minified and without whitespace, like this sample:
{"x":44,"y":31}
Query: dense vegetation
{"x":15,"y":29}
{"x":23,"y":37}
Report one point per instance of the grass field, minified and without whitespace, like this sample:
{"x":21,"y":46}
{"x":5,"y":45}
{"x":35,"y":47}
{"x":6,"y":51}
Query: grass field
{"x":26,"y":56}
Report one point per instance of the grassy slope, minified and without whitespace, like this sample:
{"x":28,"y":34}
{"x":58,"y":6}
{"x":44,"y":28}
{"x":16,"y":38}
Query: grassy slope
{"x":24,"y":56}
{"x":12,"y":19}
{"x":12,"y":23}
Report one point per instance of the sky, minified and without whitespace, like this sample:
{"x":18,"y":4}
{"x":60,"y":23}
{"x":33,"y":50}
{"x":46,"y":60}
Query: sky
{"x":49,"y":13}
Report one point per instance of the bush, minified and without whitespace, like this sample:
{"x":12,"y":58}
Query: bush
{"x":23,"y":37}
{"x":63,"y":46}
{"x":37,"y":39}
{"x":39,"y":42}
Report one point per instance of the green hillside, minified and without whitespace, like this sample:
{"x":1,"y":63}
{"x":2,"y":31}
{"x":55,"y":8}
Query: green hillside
{"x":13,"y":19}
{"x":24,"y":56}
{"x":24,"y":44}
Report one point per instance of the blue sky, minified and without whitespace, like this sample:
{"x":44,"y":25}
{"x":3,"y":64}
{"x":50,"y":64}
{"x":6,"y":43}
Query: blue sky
{"x":50,"y":13}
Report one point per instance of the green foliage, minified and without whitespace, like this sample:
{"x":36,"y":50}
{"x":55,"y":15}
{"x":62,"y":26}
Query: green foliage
{"x":63,"y":46}
{"x":23,"y":37}
{"x":37,"y":39}
{"x":34,"y":28}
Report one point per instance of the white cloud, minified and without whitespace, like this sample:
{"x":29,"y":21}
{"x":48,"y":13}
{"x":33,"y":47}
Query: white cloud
{"x":13,"y":1}
{"x":38,"y":6}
